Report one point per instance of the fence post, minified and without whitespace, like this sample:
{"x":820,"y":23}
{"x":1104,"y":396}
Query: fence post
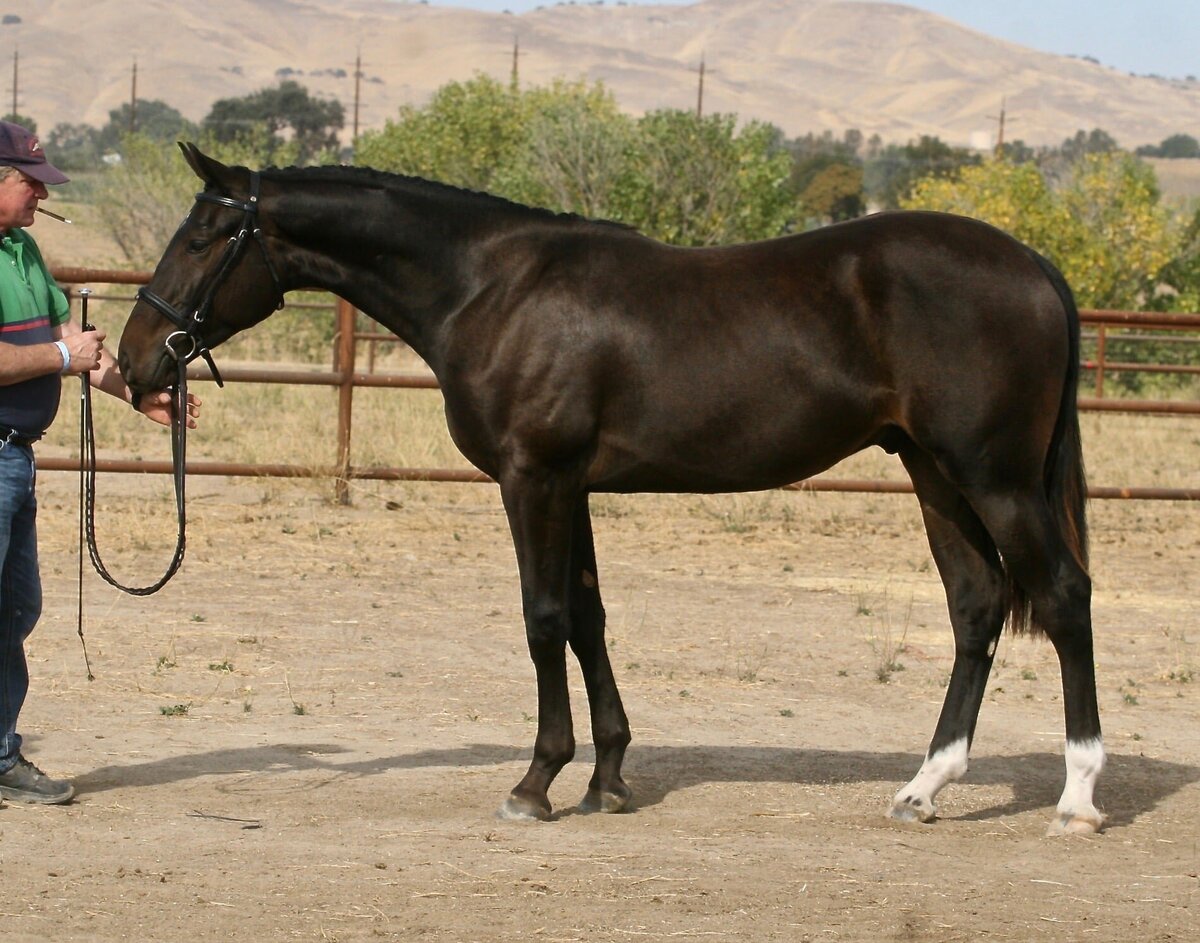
{"x":1101,"y":344}
{"x":345,"y":367}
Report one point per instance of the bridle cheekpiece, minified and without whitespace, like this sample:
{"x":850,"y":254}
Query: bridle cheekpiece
{"x":189,"y":326}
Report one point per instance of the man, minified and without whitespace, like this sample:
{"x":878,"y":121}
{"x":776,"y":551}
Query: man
{"x":39,"y":344}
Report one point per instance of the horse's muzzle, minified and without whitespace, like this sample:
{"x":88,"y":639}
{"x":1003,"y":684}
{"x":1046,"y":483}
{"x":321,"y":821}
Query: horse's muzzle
{"x":140,"y":382}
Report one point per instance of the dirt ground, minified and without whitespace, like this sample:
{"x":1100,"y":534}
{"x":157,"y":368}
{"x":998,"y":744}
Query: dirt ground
{"x":305,"y":736}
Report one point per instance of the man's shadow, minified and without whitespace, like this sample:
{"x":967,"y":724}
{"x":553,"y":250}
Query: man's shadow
{"x":1129,"y":787}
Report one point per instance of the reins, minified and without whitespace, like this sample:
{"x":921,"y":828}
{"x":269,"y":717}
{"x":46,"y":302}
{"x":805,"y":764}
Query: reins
{"x":87,"y":481}
{"x":193,"y":346}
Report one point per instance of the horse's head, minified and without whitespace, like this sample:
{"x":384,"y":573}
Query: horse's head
{"x":215,"y":279}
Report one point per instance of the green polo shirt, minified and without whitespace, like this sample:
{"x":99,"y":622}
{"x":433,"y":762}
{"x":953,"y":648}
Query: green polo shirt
{"x":31,"y":306}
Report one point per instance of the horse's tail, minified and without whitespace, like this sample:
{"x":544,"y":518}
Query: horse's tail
{"x":1063,"y":477}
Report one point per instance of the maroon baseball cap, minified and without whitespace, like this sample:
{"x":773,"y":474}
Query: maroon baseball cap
{"x":20,"y":148}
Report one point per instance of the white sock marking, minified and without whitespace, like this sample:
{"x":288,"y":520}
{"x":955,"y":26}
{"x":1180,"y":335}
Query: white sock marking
{"x":1085,"y":760}
{"x":940,"y":768}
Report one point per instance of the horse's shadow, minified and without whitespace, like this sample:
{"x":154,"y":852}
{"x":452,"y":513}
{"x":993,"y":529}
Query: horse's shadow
{"x":1131,"y":785}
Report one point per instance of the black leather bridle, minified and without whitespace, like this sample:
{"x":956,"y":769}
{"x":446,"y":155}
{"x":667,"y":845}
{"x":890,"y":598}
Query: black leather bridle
{"x":190,"y":325}
{"x":193,"y":346}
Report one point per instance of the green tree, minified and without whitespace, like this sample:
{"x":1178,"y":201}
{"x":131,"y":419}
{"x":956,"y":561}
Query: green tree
{"x":313,"y":122}
{"x":890,"y":174}
{"x":1175,"y":146}
{"x":827,"y":173}
{"x":574,"y":154}
{"x":78,"y":146}
{"x":567,"y":147}
{"x":1096,"y":141}
{"x":1018,"y":152}
{"x":1123,"y":237}
{"x":153,"y":118}
{"x":1181,"y":276}
{"x":467,"y":133}
{"x":835,"y":193}
{"x":824,"y":148}
{"x":74,"y":147}
{"x":141,"y":199}
{"x":703,"y":181}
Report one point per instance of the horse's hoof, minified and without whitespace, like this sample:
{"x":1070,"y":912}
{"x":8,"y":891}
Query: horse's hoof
{"x":912,"y":809}
{"x":1076,"y":823}
{"x":597,"y":801}
{"x":517,"y":809}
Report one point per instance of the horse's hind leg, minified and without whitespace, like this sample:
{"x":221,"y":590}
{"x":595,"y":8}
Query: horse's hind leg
{"x":607,"y":791}
{"x":970,"y":569}
{"x":1059,"y":592}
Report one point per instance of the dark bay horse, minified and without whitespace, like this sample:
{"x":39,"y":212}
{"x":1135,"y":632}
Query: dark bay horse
{"x":579,"y":356}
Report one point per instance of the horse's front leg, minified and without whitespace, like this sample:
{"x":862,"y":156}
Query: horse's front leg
{"x":540,"y":515}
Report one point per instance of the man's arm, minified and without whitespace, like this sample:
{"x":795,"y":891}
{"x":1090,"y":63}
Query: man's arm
{"x":19,"y":363}
{"x":105,"y":375}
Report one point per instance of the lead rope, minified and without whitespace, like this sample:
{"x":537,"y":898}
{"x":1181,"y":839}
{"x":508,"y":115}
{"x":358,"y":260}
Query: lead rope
{"x":87,"y":485}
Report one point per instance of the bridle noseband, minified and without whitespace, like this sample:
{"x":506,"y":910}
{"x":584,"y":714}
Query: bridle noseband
{"x":189,"y":326}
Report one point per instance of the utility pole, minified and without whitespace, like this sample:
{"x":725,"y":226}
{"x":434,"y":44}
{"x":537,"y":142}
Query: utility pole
{"x":357,"y":93}
{"x":133,"y":100}
{"x":700,"y":91}
{"x":514,"y":82}
{"x":16,"y":59}
{"x":1001,"y":119}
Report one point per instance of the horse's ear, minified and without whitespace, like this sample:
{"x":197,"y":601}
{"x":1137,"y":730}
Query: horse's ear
{"x":209,"y":170}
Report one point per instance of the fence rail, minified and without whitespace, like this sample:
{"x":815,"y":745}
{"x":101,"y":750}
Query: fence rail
{"x":346,"y":378}
{"x":1101,"y":366}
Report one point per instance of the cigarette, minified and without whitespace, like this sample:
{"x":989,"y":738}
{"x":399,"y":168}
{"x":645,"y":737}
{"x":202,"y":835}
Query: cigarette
{"x":61,"y":219}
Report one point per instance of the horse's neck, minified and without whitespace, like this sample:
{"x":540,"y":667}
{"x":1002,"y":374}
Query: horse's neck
{"x":405,"y":262}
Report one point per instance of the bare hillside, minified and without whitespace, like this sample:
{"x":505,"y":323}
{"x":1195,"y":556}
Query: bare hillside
{"x":806,"y":65}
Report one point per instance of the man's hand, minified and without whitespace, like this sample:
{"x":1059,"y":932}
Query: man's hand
{"x":85,"y":348}
{"x":157,"y":406}
{"x":89,"y":356}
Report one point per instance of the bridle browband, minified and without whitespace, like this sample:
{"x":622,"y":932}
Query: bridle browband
{"x":189,"y":325}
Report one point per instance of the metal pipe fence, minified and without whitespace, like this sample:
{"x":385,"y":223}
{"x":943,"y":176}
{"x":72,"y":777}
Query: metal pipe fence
{"x":1122,"y":321}
{"x":346,"y":379}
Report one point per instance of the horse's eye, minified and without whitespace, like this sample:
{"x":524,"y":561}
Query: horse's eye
{"x":196,"y":246}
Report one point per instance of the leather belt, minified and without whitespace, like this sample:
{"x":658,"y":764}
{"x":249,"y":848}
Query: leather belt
{"x":11,"y":436}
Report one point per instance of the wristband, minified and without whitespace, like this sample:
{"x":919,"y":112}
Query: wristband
{"x":66,"y":355}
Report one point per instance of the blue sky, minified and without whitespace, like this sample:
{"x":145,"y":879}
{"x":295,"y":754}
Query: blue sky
{"x":1151,"y":36}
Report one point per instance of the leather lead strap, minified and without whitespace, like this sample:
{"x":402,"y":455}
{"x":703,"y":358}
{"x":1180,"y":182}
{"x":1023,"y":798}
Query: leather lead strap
{"x":87,"y":470}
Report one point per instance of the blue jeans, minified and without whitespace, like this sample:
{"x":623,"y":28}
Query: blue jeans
{"x":20,"y":589}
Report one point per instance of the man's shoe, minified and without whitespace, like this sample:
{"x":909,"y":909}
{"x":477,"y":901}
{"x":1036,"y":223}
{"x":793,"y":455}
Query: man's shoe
{"x":26,"y":783}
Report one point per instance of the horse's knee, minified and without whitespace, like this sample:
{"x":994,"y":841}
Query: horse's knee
{"x":547,"y":628}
